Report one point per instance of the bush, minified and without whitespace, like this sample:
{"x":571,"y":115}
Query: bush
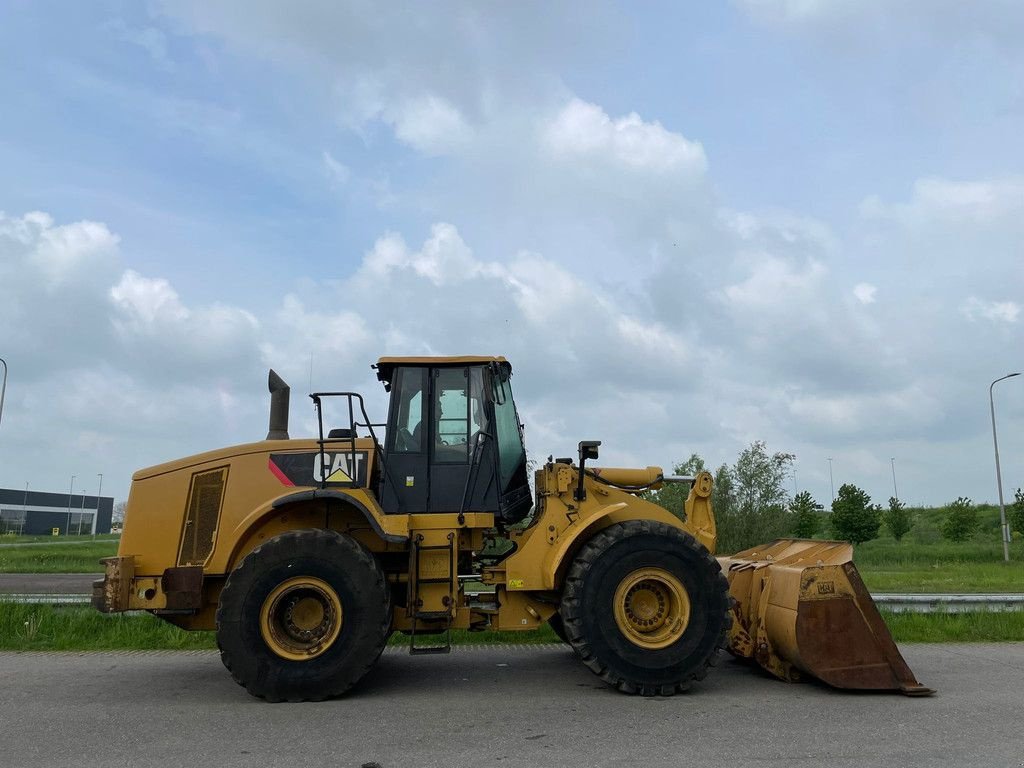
{"x":961,"y":520}
{"x":805,"y":515}
{"x":898,"y":518}
{"x":853,"y":517}
{"x":1015,"y":514}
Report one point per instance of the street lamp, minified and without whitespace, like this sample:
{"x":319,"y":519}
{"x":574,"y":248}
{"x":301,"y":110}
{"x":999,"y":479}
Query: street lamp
{"x":3,"y":388}
{"x":67,"y":530}
{"x":999,"y":474}
{"x":895,"y":493}
{"x":99,"y":492}
{"x":831,"y":484}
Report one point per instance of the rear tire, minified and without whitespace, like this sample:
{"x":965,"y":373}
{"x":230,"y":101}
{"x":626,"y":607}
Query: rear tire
{"x":646,"y":607}
{"x":558,"y":626}
{"x":303,"y":617}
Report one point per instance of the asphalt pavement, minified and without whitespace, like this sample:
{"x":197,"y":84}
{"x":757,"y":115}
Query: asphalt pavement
{"x":48,"y":583}
{"x":501,"y":706}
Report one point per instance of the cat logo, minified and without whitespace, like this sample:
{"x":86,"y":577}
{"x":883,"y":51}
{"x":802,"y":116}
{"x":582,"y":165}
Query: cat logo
{"x":309,"y":469}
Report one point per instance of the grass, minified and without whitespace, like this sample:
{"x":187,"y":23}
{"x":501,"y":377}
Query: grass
{"x":78,"y":628}
{"x":956,"y":627}
{"x":63,"y":555}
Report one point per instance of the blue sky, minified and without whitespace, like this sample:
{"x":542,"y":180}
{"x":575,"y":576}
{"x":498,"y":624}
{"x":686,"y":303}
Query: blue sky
{"x":688,"y":225}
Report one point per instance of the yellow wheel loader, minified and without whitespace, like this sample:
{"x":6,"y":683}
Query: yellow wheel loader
{"x":305,"y":555}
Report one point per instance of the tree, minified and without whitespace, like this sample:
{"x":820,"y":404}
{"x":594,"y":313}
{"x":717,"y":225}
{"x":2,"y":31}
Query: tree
{"x":805,"y":515}
{"x":119,"y":510}
{"x":961,"y":520}
{"x":752,"y":503}
{"x":1015,"y":515}
{"x":898,"y":518}
{"x":672,"y":496}
{"x":853,"y":517}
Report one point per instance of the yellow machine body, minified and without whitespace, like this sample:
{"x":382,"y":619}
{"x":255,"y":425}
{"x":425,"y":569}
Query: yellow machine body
{"x":197,"y":528}
{"x":801,"y":608}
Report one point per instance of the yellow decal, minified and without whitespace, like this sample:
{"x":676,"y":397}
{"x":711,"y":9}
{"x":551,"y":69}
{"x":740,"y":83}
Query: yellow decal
{"x":515,"y":583}
{"x":56,"y":531}
{"x":337,"y":476}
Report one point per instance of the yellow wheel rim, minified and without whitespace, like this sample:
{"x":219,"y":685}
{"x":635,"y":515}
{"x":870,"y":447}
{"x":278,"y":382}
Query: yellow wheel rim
{"x":301,"y":618}
{"x":652,"y":608}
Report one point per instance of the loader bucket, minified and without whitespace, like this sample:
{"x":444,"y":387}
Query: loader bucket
{"x":801,"y":608}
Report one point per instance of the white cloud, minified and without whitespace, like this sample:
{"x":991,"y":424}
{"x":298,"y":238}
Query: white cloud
{"x":774,"y":282}
{"x":996,"y":311}
{"x":338,"y":172}
{"x":584,"y":131}
{"x":865,"y":293}
{"x":429,"y":123}
{"x":150,"y":39}
{"x":946,"y":20}
{"x":937,"y":199}
{"x":144,"y":301}
{"x":62,"y":253}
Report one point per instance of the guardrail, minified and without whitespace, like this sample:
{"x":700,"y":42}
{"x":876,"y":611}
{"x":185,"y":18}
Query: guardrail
{"x":894,"y":603}
{"x":950,"y":603}
{"x":45,"y":598}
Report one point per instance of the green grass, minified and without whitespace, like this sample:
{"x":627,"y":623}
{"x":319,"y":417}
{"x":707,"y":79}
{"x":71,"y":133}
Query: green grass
{"x":8,"y":539}
{"x":944,"y":577}
{"x":956,"y":627}
{"x":924,"y":562}
{"x":78,"y":628}
{"x":63,"y":555}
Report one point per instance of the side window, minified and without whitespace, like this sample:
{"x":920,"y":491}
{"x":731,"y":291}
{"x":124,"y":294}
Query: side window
{"x":451,"y":413}
{"x":409,"y":386}
{"x":511,"y":453}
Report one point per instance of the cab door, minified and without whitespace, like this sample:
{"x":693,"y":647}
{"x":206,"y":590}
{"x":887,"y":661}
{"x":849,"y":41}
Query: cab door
{"x":405,"y":481}
{"x":457,"y":417}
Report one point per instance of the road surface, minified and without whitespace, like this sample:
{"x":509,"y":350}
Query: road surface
{"x":48,"y":583}
{"x":501,"y":706}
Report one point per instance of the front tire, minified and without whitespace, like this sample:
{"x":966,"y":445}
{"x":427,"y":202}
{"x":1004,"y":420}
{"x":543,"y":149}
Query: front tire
{"x":646,"y":607}
{"x":303,"y":617}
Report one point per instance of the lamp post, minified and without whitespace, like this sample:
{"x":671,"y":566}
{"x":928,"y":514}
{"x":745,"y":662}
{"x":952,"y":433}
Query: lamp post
{"x":3,"y":388}
{"x":999,"y":474}
{"x":831,"y":484}
{"x":895,"y":493}
{"x":99,"y":492}
{"x":67,"y":529}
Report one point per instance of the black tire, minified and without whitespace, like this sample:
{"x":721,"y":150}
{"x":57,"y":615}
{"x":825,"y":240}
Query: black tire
{"x":558,"y":626}
{"x":610,"y":559}
{"x":341,"y":568}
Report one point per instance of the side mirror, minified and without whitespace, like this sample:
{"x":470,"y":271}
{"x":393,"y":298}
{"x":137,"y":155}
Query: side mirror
{"x":588,"y":450}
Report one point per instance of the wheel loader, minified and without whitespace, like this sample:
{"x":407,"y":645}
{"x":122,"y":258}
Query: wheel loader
{"x":306,"y":555}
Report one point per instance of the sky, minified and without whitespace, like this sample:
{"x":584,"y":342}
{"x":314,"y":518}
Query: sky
{"x":688,"y":226}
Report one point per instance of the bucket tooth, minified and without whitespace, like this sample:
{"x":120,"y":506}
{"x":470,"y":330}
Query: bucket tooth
{"x":802,"y":609}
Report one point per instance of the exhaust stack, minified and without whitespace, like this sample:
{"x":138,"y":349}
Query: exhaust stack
{"x":279,"y":396}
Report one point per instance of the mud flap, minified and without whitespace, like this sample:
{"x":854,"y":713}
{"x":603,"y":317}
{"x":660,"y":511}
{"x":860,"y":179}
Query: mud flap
{"x":801,"y":608}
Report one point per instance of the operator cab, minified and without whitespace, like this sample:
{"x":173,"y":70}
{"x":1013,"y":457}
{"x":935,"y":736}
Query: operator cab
{"x":454,"y":442}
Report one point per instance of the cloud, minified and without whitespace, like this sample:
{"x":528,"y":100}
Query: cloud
{"x":996,"y":311}
{"x":936,"y":200}
{"x":584,"y":132}
{"x":429,"y":123}
{"x":998,"y":20}
{"x":338,"y":172}
{"x":865,"y":293}
{"x":150,"y":39}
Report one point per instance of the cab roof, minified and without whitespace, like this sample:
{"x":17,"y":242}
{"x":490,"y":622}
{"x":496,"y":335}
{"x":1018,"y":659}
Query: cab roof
{"x":386,"y":365}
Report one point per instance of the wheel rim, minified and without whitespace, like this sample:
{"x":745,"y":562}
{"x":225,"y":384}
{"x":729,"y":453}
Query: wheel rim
{"x":301,"y":618}
{"x":652,"y":608}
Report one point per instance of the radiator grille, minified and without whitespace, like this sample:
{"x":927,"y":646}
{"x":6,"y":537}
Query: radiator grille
{"x":204,"y":503}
